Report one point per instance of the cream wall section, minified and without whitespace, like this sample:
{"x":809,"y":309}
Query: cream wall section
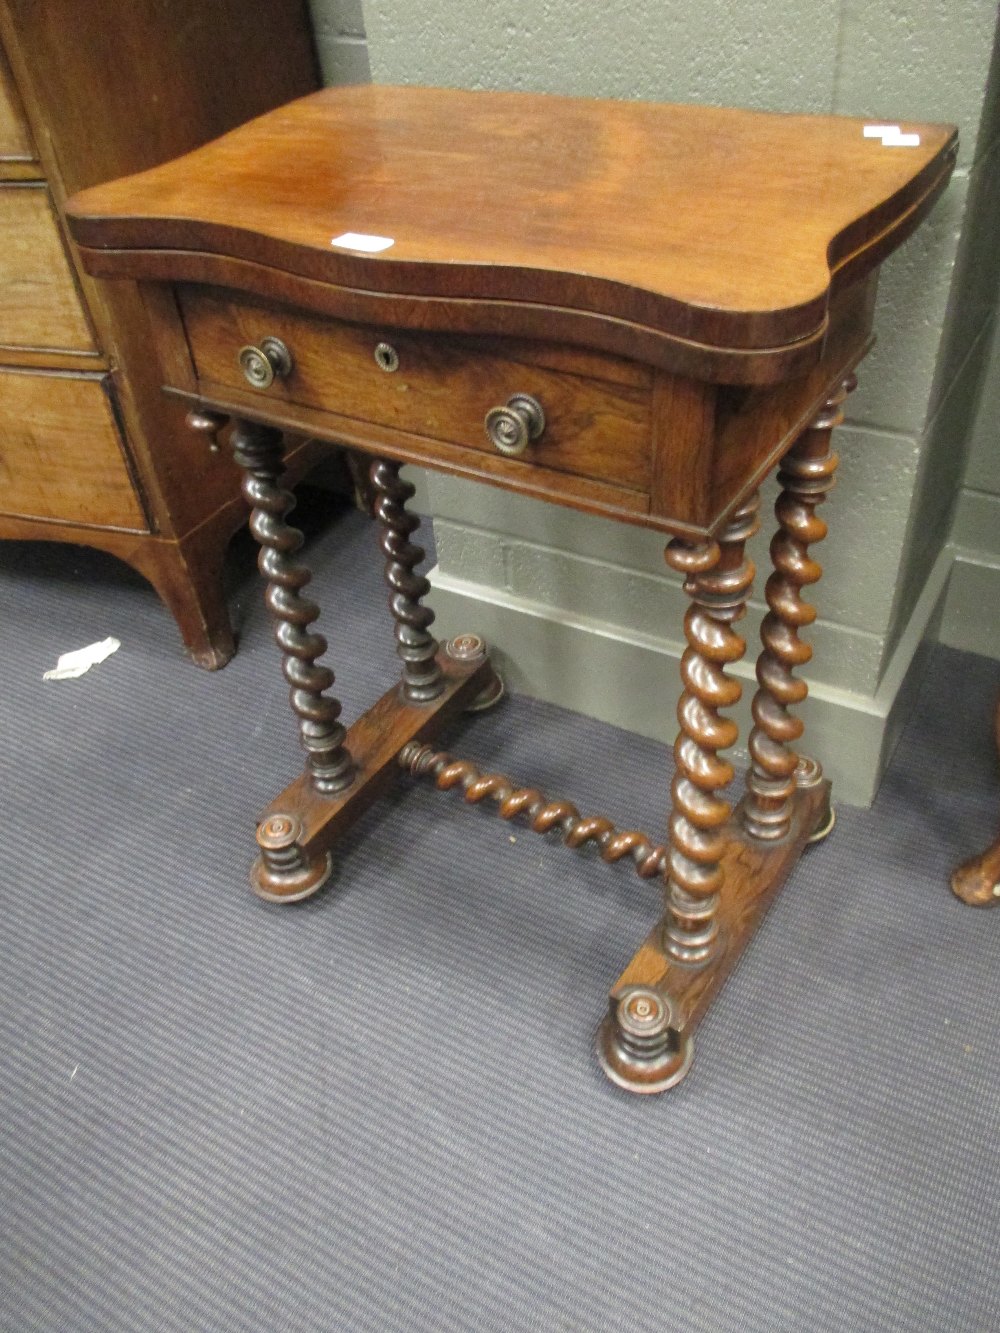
{"x":584,"y":612}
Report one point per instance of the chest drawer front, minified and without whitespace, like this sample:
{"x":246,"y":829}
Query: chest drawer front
{"x":39,"y":303}
{"x":15,"y":138}
{"x":61,"y":456}
{"x":597,"y":409}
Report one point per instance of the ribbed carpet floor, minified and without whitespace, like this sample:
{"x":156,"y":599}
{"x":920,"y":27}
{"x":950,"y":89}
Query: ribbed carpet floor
{"x":379,"y":1110}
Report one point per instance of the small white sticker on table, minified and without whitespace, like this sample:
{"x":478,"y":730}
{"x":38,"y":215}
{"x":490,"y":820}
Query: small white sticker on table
{"x":892,"y":136}
{"x":360,"y":240}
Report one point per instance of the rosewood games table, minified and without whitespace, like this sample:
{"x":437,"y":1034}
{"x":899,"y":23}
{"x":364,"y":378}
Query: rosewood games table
{"x":634,"y":310}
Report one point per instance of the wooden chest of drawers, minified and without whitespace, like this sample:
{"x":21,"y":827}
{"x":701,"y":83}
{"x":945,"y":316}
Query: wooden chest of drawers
{"x":89,"y":450}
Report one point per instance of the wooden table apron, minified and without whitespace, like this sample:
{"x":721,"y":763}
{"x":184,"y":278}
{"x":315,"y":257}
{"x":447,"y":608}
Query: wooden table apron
{"x":639,"y":422}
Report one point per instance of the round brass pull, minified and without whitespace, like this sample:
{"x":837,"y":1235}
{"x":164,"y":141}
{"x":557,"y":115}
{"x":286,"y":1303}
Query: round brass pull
{"x":510,"y":429}
{"x":261,"y":365}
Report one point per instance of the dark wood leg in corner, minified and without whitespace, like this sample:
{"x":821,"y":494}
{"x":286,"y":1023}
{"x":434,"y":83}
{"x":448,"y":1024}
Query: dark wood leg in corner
{"x":977,"y":881}
{"x":187,"y":572}
{"x":643,"y":1045}
{"x":285,"y":870}
{"x":806,"y":476}
{"x":188,"y":576}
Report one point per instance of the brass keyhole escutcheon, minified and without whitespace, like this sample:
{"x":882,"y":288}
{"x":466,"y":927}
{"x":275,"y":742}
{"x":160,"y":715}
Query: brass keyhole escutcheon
{"x":386,"y":357}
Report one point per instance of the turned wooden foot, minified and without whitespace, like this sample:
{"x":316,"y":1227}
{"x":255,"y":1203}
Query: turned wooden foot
{"x":639,"y":1045}
{"x":285,"y":872}
{"x":977,"y":881}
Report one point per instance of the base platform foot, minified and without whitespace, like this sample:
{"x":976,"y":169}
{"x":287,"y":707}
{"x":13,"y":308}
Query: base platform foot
{"x":284,"y":873}
{"x":824,"y":828}
{"x":471,"y":650}
{"x":638,"y":1044}
{"x":809,"y":777}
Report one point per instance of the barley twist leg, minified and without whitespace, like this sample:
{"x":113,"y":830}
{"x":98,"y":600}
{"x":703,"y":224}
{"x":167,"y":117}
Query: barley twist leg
{"x":416,"y":647}
{"x":806,"y":476}
{"x":258,"y":451}
{"x":718,"y":581}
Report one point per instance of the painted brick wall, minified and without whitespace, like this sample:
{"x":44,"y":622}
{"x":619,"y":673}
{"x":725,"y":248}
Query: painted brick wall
{"x":340,"y":40}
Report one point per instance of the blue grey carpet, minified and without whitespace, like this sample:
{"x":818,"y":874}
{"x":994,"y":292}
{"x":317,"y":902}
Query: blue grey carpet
{"x":379,"y":1110}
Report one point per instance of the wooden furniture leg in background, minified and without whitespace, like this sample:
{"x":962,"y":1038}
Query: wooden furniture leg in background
{"x":806,"y":476}
{"x":416,"y":646}
{"x":977,"y":881}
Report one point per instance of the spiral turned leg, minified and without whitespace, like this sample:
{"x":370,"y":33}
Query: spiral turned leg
{"x":417,"y":648}
{"x":258,"y":450}
{"x":806,"y":476}
{"x":719,"y":577}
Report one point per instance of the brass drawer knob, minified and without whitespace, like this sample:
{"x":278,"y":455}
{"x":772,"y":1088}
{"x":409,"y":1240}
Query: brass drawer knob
{"x":511,"y":428}
{"x":261,"y":365}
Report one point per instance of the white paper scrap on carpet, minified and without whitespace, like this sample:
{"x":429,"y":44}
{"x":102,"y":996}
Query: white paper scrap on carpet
{"x":75,"y":663}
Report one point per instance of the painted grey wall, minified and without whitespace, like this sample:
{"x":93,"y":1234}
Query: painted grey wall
{"x":584,"y":611}
{"x":340,"y":40}
{"x":972,"y":610}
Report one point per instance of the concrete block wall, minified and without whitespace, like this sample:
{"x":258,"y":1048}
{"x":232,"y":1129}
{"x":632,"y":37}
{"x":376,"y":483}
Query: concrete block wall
{"x":970,"y":620}
{"x":584,"y":612}
{"x":339,"y":26}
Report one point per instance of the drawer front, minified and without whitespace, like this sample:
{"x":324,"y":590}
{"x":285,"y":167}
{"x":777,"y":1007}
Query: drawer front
{"x":15,"y":138}
{"x":597,"y":409}
{"x":61,"y":456}
{"x":39,"y":303}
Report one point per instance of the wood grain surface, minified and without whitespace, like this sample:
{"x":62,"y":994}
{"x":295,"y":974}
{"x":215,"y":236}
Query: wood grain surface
{"x":39,"y":303}
{"x":15,"y":137}
{"x":443,"y":387}
{"x":724,"y":227}
{"x":61,"y":454}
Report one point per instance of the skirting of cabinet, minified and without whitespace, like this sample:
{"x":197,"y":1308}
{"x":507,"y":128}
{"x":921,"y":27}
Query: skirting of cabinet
{"x":186,"y":572}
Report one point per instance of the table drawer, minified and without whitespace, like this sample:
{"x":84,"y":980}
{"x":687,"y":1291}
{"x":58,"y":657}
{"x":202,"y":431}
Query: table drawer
{"x":39,"y":303}
{"x":61,"y":455}
{"x":597,"y":408}
{"x":15,"y":137}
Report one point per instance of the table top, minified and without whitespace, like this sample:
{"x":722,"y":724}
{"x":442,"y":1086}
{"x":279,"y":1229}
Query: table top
{"x":723,"y":228}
